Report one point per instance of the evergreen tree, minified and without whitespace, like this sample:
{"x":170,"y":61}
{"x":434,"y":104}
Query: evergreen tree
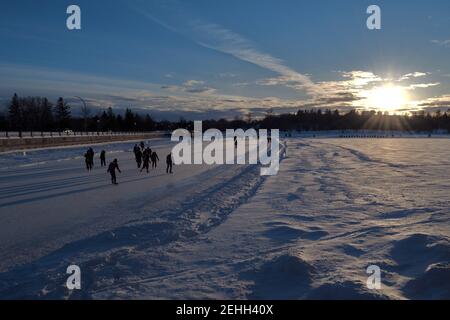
{"x":119,"y":123}
{"x":129,"y":120}
{"x":30,"y":107}
{"x":46,"y":115}
{"x":62,"y":114}
{"x":112,"y":121}
{"x":149,"y":124}
{"x":3,"y":122}
{"x":104,"y":121}
{"x":16,"y":114}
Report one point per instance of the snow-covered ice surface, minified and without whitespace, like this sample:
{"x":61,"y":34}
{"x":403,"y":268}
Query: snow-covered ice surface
{"x":224,"y":232}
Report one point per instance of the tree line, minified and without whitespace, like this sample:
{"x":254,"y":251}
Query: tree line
{"x":39,"y":114}
{"x":324,"y":120}
{"x":318,"y":120}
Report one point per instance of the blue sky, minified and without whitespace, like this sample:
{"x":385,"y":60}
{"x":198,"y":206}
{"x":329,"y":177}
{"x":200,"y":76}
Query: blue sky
{"x":201,"y":59}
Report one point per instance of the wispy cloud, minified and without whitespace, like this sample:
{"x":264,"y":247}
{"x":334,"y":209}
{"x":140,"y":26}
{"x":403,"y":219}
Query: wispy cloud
{"x":190,"y":86}
{"x":412,"y":75}
{"x":439,"y":102}
{"x":193,"y":83}
{"x":227,"y":75}
{"x":444,"y":43}
{"x":219,"y":38}
{"x":422,"y":85}
{"x":38,"y":80}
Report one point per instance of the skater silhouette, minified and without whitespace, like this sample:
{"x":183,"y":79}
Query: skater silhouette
{"x":112,"y":171}
{"x":91,"y":153}
{"x":154,"y":158}
{"x":146,"y":159}
{"x":136,"y":148}
{"x":138,"y":156}
{"x":169,"y":163}
{"x":103,"y":158}
{"x":87,"y":160}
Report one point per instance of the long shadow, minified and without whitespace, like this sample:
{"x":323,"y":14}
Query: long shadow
{"x":34,"y":174}
{"x":28,"y":280}
{"x":106,"y":185}
{"x":47,"y":186}
{"x":60,"y":186}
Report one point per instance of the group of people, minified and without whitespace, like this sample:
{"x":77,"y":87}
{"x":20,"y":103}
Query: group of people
{"x":113,"y":166}
{"x":143,"y":155}
{"x":89,"y":159}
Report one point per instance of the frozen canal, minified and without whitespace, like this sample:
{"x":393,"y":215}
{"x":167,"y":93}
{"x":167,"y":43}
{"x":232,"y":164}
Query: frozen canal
{"x":335,"y":207}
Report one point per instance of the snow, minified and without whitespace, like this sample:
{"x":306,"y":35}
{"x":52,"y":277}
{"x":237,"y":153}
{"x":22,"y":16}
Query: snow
{"x":225,"y":232}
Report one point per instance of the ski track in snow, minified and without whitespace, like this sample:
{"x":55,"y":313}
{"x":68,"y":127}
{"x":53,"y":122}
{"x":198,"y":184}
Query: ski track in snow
{"x":224,"y":232}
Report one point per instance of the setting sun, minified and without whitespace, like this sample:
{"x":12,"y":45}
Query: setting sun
{"x":387,"y":98}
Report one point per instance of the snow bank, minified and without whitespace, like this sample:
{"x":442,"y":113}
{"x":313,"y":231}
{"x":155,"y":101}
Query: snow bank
{"x":286,"y":276}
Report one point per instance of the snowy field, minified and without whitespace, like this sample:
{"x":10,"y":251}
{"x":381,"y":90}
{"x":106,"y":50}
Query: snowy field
{"x":224,"y":232}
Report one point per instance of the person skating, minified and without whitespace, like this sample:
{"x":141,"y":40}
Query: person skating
{"x":103,"y":158}
{"x":91,"y":157}
{"x":136,"y":148}
{"x":138,"y":155}
{"x":87,"y":160}
{"x":146,"y":159}
{"x":147,"y":151}
{"x":154,"y":158}
{"x":169,"y":162}
{"x":112,"y":171}
{"x":135,"y":151}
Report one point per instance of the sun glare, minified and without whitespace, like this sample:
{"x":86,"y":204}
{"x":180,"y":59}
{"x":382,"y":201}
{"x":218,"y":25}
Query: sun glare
{"x":387,"y":98}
